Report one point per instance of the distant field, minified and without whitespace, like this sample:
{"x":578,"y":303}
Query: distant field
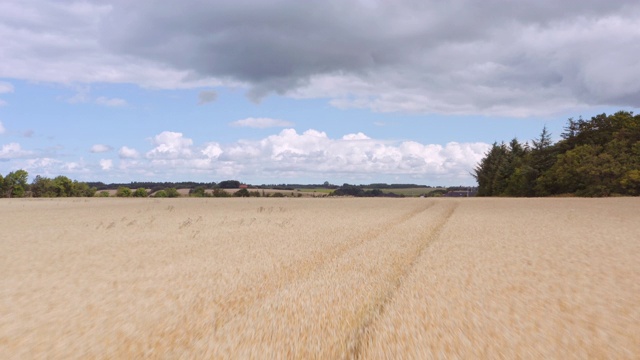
{"x":411,"y":191}
{"x":317,"y":192}
{"x":326,"y":278}
{"x":267,"y":192}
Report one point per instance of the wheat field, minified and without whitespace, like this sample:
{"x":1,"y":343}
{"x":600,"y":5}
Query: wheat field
{"x":320,"y":278}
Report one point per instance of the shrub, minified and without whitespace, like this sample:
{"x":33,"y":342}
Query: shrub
{"x":123,"y":191}
{"x":140,"y":192}
{"x":172,"y":192}
{"x":198,"y":192}
{"x":161,"y":194}
{"x":103,"y":193}
{"x":220,"y":193}
{"x":242,"y":193}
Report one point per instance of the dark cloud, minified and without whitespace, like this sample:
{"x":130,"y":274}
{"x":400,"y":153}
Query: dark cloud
{"x":461,"y":56}
{"x":496,"y":56}
{"x":207,"y":96}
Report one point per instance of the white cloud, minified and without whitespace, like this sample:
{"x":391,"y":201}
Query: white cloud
{"x":73,"y":166}
{"x":2,"y":129}
{"x":43,"y":166}
{"x":128,"y":153}
{"x":358,"y":136}
{"x":170,"y":145}
{"x":312,"y":154}
{"x":128,"y":165}
{"x":285,"y":156}
{"x":261,"y":123}
{"x":13,"y":151}
{"x":5,"y":87}
{"x":51,"y":167}
{"x":100,"y":148}
{"x":106,"y":164}
{"x":81,"y":95}
{"x":212,"y":151}
{"x":111,"y":102}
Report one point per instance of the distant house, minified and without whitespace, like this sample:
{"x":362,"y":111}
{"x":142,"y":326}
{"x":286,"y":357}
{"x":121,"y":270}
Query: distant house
{"x":244,"y":186}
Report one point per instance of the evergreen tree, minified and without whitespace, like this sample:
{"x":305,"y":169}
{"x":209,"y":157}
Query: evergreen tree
{"x":596,"y":157}
{"x":490,"y":173}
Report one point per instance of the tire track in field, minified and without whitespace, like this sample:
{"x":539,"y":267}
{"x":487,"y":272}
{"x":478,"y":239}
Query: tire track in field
{"x":362,"y":332}
{"x":303,"y":268}
{"x":325,"y":314}
{"x":237,"y":302}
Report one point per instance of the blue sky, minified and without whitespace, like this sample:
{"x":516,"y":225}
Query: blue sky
{"x":290,"y":92}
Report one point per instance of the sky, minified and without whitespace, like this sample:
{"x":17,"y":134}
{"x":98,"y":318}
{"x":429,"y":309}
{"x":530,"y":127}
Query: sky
{"x":288,"y":91}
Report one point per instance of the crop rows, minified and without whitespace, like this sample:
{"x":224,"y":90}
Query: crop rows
{"x":319,"y":278}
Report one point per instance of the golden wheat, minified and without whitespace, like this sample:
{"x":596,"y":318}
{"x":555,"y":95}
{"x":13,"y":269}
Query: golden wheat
{"x":319,"y":278}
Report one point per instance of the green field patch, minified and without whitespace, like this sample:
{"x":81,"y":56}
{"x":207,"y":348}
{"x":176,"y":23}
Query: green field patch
{"x":316,"y":190}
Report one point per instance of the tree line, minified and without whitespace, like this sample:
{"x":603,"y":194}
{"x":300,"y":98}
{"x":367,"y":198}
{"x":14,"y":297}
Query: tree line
{"x":14,"y":184}
{"x":359,"y":191}
{"x":595,"y":157}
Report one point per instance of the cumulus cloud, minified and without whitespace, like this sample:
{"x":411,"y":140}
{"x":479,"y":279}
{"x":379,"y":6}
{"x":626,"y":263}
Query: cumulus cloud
{"x":128,"y":153}
{"x":43,"y":166}
{"x":73,"y":167}
{"x":311,"y":154}
{"x":288,"y":155}
{"x":112,"y":102}
{"x":13,"y":151}
{"x":352,"y":156}
{"x":100,"y":148}
{"x":358,"y":136}
{"x":261,"y":123}
{"x":207,"y":96}
{"x":212,"y":151}
{"x":106,"y":164}
{"x":170,"y":144}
